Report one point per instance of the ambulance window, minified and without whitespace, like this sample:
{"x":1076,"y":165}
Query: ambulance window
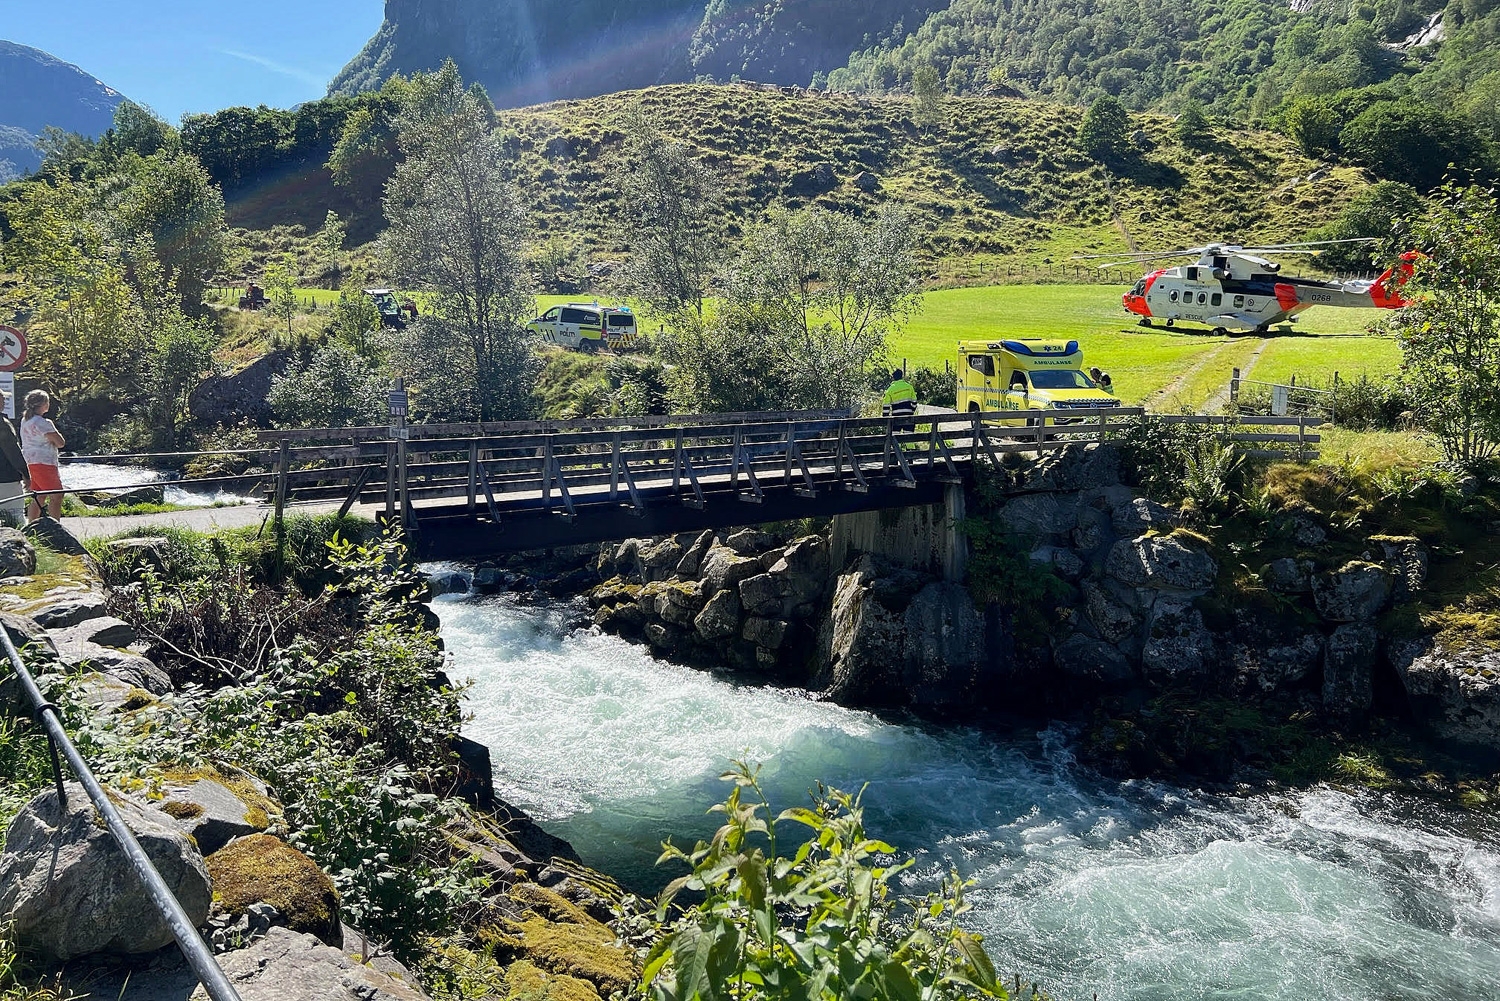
{"x":1173,"y":296}
{"x":551,"y":314}
{"x":983,"y":364}
{"x":1192,"y":274}
{"x":1239,"y":302}
{"x":1202,"y":298}
{"x":1018,"y":380}
{"x":1216,"y":299}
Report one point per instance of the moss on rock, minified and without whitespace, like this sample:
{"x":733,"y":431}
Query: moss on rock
{"x":264,"y":869}
{"x":525,"y":981}
{"x":558,"y":937}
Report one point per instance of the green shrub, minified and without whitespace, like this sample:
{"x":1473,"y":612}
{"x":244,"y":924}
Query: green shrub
{"x":816,"y":918}
{"x":935,"y":388}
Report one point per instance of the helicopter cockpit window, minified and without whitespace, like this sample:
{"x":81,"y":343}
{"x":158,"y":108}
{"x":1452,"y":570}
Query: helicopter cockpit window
{"x":983,"y":364}
{"x":1173,"y":296}
{"x":1215,"y":299}
{"x":1202,"y":298}
{"x":1140,"y":287}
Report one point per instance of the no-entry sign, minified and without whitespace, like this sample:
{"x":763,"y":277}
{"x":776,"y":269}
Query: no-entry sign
{"x":12,"y":349}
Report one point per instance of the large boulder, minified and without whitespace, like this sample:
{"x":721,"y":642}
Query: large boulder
{"x":1356,"y":592}
{"x":17,"y":557}
{"x":678,"y":603}
{"x":724,"y":568}
{"x":1139,"y":515}
{"x":1269,"y":654}
{"x":1040,"y":516}
{"x":133,"y":669}
{"x":1161,"y":561}
{"x":720,"y":618}
{"x":1091,"y":660}
{"x":216,"y":808}
{"x":263,"y":869}
{"x":1454,"y":688}
{"x":70,"y":610}
{"x":291,"y":966}
{"x":1288,"y":576}
{"x":860,"y":643}
{"x":1348,"y":668}
{"x":105,"y":630}
{"x":1073,"y":468}
{"x":760,"y":594}
{"x":944,"y":646}
{"x":801,"y":574}
{"x":692,"y":557}
{"x":1178,"y":647}
{"x":68,"y":890}
{"x":228,"y":399}
{"x":1114,"y":621}
{"x":658,"y":560}
{"x":52,"y":534}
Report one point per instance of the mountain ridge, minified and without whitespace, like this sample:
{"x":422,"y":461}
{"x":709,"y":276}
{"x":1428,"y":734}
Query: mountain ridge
{"x":38,"y":90}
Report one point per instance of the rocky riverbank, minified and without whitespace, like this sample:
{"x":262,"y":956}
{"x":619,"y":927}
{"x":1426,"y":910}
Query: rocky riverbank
{"x":219,"y":835}
{"x":1082,"y":595}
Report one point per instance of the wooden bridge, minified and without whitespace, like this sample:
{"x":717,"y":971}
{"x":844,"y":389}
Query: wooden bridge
{"x":473,"y":490}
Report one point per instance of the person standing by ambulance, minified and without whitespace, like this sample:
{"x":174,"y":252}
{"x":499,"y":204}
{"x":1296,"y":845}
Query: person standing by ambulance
{"x":901,"y":399}
{"x":40,"y":441}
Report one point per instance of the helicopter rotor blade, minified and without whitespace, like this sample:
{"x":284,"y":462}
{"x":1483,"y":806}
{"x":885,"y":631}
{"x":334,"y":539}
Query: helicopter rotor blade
{"x":1141,"y":255}
{"x":1314,"y":243}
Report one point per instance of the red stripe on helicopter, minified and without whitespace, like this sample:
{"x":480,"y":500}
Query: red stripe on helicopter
{"x":1286,"y":296}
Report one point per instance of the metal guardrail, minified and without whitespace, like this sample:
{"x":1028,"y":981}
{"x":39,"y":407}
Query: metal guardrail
{"x":188,"y":940}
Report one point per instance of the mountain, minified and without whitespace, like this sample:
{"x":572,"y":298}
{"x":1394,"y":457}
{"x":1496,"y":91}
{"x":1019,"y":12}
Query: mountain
{"x":38,"y":90}
{"x":531,"y":51}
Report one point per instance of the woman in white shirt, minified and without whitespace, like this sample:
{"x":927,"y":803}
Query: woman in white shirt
{"x":40,"y":441}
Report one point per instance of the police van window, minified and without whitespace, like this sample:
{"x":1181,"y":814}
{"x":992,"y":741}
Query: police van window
{"x":1174,"y":295}
{"x":551,"y":314}
{"x":621,"y":320}
{"x":1215,"y":299}
{"x":983,"y":364}
{"x":580,"y":317}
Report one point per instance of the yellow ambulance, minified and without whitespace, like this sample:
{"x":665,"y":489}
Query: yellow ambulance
{"x":1029,"y":376}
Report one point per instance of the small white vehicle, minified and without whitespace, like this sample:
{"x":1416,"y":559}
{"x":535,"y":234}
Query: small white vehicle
{"x":586,"y":326}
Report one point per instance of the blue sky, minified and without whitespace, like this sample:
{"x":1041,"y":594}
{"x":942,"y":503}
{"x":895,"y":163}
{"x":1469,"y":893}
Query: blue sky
{"x":181,"y":56}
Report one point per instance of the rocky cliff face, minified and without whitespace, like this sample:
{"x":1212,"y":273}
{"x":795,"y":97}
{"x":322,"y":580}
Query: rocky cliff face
{"x":526,"y":52}
{"x":38,"y":90}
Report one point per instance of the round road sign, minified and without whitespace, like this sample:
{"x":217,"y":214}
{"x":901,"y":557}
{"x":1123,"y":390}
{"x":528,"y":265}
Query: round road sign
{"x":12,"y":349}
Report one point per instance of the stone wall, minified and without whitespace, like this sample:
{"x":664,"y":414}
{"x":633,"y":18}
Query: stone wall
{"x":924,"y":537}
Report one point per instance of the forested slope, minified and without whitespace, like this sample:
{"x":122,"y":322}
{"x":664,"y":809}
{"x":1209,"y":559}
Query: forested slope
{"x":1239,"y":56}
{"x":988,"y":178}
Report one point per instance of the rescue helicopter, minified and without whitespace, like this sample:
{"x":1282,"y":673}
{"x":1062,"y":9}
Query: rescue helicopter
{"x":1235,"y":290}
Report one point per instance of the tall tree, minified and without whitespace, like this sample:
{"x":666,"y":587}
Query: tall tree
{"x":1450,"y":334}
{"x":1102,"y":135}
{"x":169,"y":197}
{"x":672,"y":198}
{"x":808,"y":305}
{"x":458,"y":231}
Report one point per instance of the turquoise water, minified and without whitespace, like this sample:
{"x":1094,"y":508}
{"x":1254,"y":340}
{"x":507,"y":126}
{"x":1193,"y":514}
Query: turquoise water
{"x":1136,"y":890}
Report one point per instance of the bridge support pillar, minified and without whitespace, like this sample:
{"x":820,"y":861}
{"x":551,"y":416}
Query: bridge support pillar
{"x":924,"y":537}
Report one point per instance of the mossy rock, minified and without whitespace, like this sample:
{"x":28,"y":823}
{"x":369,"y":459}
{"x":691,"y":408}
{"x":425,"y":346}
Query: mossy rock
{"x":525,"y":981}
{"x":559,"y":937}
{"x":264,"y":869}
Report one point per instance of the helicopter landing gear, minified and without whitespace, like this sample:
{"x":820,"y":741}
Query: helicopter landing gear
{"x":1221,"y":332}
{"x":1145,"y":321}
{"x":1262,"y":330}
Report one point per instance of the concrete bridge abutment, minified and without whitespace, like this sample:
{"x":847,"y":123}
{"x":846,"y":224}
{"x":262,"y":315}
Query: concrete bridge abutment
{"x":921,"y":537}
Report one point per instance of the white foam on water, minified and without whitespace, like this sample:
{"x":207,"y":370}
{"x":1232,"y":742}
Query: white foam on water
{"x":1136,"y":890}
{"x":106,"y":477}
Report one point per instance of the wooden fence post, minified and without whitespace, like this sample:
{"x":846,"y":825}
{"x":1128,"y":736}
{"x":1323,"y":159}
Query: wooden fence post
{"x":1234,"y":387}
{"x":473,"y":476}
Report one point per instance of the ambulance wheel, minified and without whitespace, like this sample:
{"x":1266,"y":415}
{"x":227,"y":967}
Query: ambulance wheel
{"x":1169,"y":323}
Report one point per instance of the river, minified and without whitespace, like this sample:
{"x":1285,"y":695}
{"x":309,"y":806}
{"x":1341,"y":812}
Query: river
{"x":105,"y":476}
{"x":1134,"y":890}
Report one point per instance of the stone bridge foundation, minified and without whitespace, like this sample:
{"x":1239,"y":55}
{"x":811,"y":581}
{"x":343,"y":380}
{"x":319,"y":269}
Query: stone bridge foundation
{"x":923,"y":537}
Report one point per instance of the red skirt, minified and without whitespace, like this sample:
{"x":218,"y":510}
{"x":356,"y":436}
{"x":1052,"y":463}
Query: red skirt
{"x":44,"y":479}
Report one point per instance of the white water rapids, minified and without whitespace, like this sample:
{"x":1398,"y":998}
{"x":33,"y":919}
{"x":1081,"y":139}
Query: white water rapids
{"x":1133,"y":890}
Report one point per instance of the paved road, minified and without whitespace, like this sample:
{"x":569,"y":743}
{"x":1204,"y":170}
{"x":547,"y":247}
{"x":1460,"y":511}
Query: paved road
{"x":206,"y":519}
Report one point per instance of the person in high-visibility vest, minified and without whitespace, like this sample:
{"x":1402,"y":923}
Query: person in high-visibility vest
{"x":901,"y":399}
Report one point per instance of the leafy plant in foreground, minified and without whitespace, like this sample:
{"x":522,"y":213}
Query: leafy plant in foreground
{"x":819,"y":922}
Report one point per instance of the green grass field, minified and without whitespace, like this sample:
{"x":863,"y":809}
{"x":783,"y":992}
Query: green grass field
{"x":1174,"y":369}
